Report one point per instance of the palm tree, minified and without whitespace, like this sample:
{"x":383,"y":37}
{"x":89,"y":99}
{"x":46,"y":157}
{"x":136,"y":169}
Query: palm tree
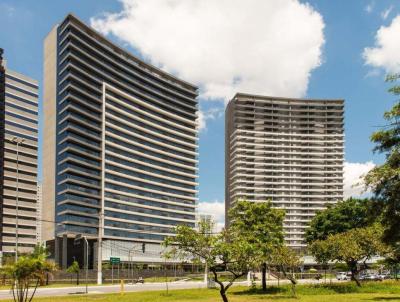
{"x":74,"y":269}
{"x":28,"y":270}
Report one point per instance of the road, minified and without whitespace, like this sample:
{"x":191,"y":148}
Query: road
{"x":107,"y":289}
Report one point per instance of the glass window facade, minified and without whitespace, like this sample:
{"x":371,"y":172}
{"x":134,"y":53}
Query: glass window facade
{"x":126,"y":140}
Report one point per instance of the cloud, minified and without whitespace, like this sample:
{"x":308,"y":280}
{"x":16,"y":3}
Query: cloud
{"x":386,"y":52}
{"x":210,"y":114}
{"x":256,"y":46}
{"x":386,"y":12}
{"x":353,"y":173}
{"x":369,"y":7}
{"x":201,"y":121}
{"x":216,"y":209}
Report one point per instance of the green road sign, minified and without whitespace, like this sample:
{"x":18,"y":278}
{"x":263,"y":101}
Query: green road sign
{"x":115,"y":260}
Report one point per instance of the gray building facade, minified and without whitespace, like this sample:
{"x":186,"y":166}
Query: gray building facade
{"x":18,"y":160}
{"x":288,"y":151}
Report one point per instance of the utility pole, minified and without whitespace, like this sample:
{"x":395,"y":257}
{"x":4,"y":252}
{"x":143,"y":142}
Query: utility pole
{"x":17,"y":141}
{"x":131,"y":263}
{"x":77,"y":239}
{"x":87,"y":262}
{"x":99,"y":251}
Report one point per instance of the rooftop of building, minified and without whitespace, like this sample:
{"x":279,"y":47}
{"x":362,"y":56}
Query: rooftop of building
{"x":275,"y":98}
{"x":128,"y":56}
{"x":3,"y":64}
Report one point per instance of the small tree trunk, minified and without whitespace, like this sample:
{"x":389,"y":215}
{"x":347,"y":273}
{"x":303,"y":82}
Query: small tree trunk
{"x":26,"y":290}
{"x":223,"y":294}
{"x":77,"y":278}
{"x":222,"y":290}
{"x":353,"y":269}
{"x":293,"y":289}
{"x":21,"y":291}
{"x":264,"y":276}
{"x":34,"y":291}
{"x":13,"y":291}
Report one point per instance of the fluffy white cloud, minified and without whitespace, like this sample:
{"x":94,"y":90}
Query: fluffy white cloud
{"x":255,"y":46}
{"x":386,"y":52}
{"x":386,"y":12}
{"x":210,"y":114}
{"x":353,"y":173}
{"x":216,"y":209}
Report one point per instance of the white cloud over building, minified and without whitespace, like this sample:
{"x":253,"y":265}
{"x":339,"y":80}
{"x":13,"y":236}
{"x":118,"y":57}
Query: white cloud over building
{"x":225,"y":46}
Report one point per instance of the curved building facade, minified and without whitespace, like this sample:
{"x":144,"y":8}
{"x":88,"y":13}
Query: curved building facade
{"x":121,"y":143}
{"x":288,"y":151}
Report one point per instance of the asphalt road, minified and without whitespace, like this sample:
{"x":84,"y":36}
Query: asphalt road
{"x":107,"y":289}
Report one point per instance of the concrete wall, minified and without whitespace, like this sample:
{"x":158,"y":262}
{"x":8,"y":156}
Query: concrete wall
{"x":49,"y":134}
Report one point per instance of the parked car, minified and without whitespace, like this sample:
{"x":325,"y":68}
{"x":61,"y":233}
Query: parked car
{"x":370,"y":277}
{"x":342,"y":276}
{"x":385,"y":276}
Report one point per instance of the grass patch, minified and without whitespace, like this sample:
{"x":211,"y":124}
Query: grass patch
{"x":343,"y":292}
{"x":391,"y":287}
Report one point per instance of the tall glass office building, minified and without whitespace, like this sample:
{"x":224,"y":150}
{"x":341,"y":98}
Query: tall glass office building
{"x":120,"y":146}
{"x":18,"y":160}
{"x":288,"y":151}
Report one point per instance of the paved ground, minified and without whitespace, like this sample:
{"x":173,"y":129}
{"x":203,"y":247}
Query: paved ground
{"x":76,"y":290}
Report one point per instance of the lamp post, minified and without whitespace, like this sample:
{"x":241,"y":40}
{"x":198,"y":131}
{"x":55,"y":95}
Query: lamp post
{"x":77,"y":239}
{"x":17,"y":141}
{"x":87,"y":262}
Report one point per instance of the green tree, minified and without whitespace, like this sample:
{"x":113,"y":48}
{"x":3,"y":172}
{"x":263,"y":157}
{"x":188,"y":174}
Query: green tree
{"x":341,"y":217}
{"x":262,"y":225}
{"x":28,"y":269}
{"x":220,"y":252}
{"x":322,"y":253}
{"x":353,"y":247}
{"x":74,"y":269}
{"x":40,"y":250}
{"x":288,"y":262}
{"x":384,"y":179}
{"x":392,"y":261}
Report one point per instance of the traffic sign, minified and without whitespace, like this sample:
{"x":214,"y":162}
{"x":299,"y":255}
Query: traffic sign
{"x":115,"y":260}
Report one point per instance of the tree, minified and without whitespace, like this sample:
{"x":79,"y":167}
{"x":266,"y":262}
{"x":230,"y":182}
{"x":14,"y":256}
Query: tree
{"x":322,"y":253}
{"x":74,"y":269}
{"x":392,"y":261}
{"x":220,"y":252}
{"x":288,"y":262}
{"x":28,"y":269}
{"x":341,"y":217}
{"x":262,"y":225}
{"x":384,"y":180}
{"x":353,"y":247}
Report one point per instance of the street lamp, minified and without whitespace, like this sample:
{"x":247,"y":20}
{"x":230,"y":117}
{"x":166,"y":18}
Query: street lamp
{"x":17,"y":141}
{"x":86,"y":260}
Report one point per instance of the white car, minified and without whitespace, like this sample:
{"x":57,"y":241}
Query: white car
{"x":342,"y":276}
